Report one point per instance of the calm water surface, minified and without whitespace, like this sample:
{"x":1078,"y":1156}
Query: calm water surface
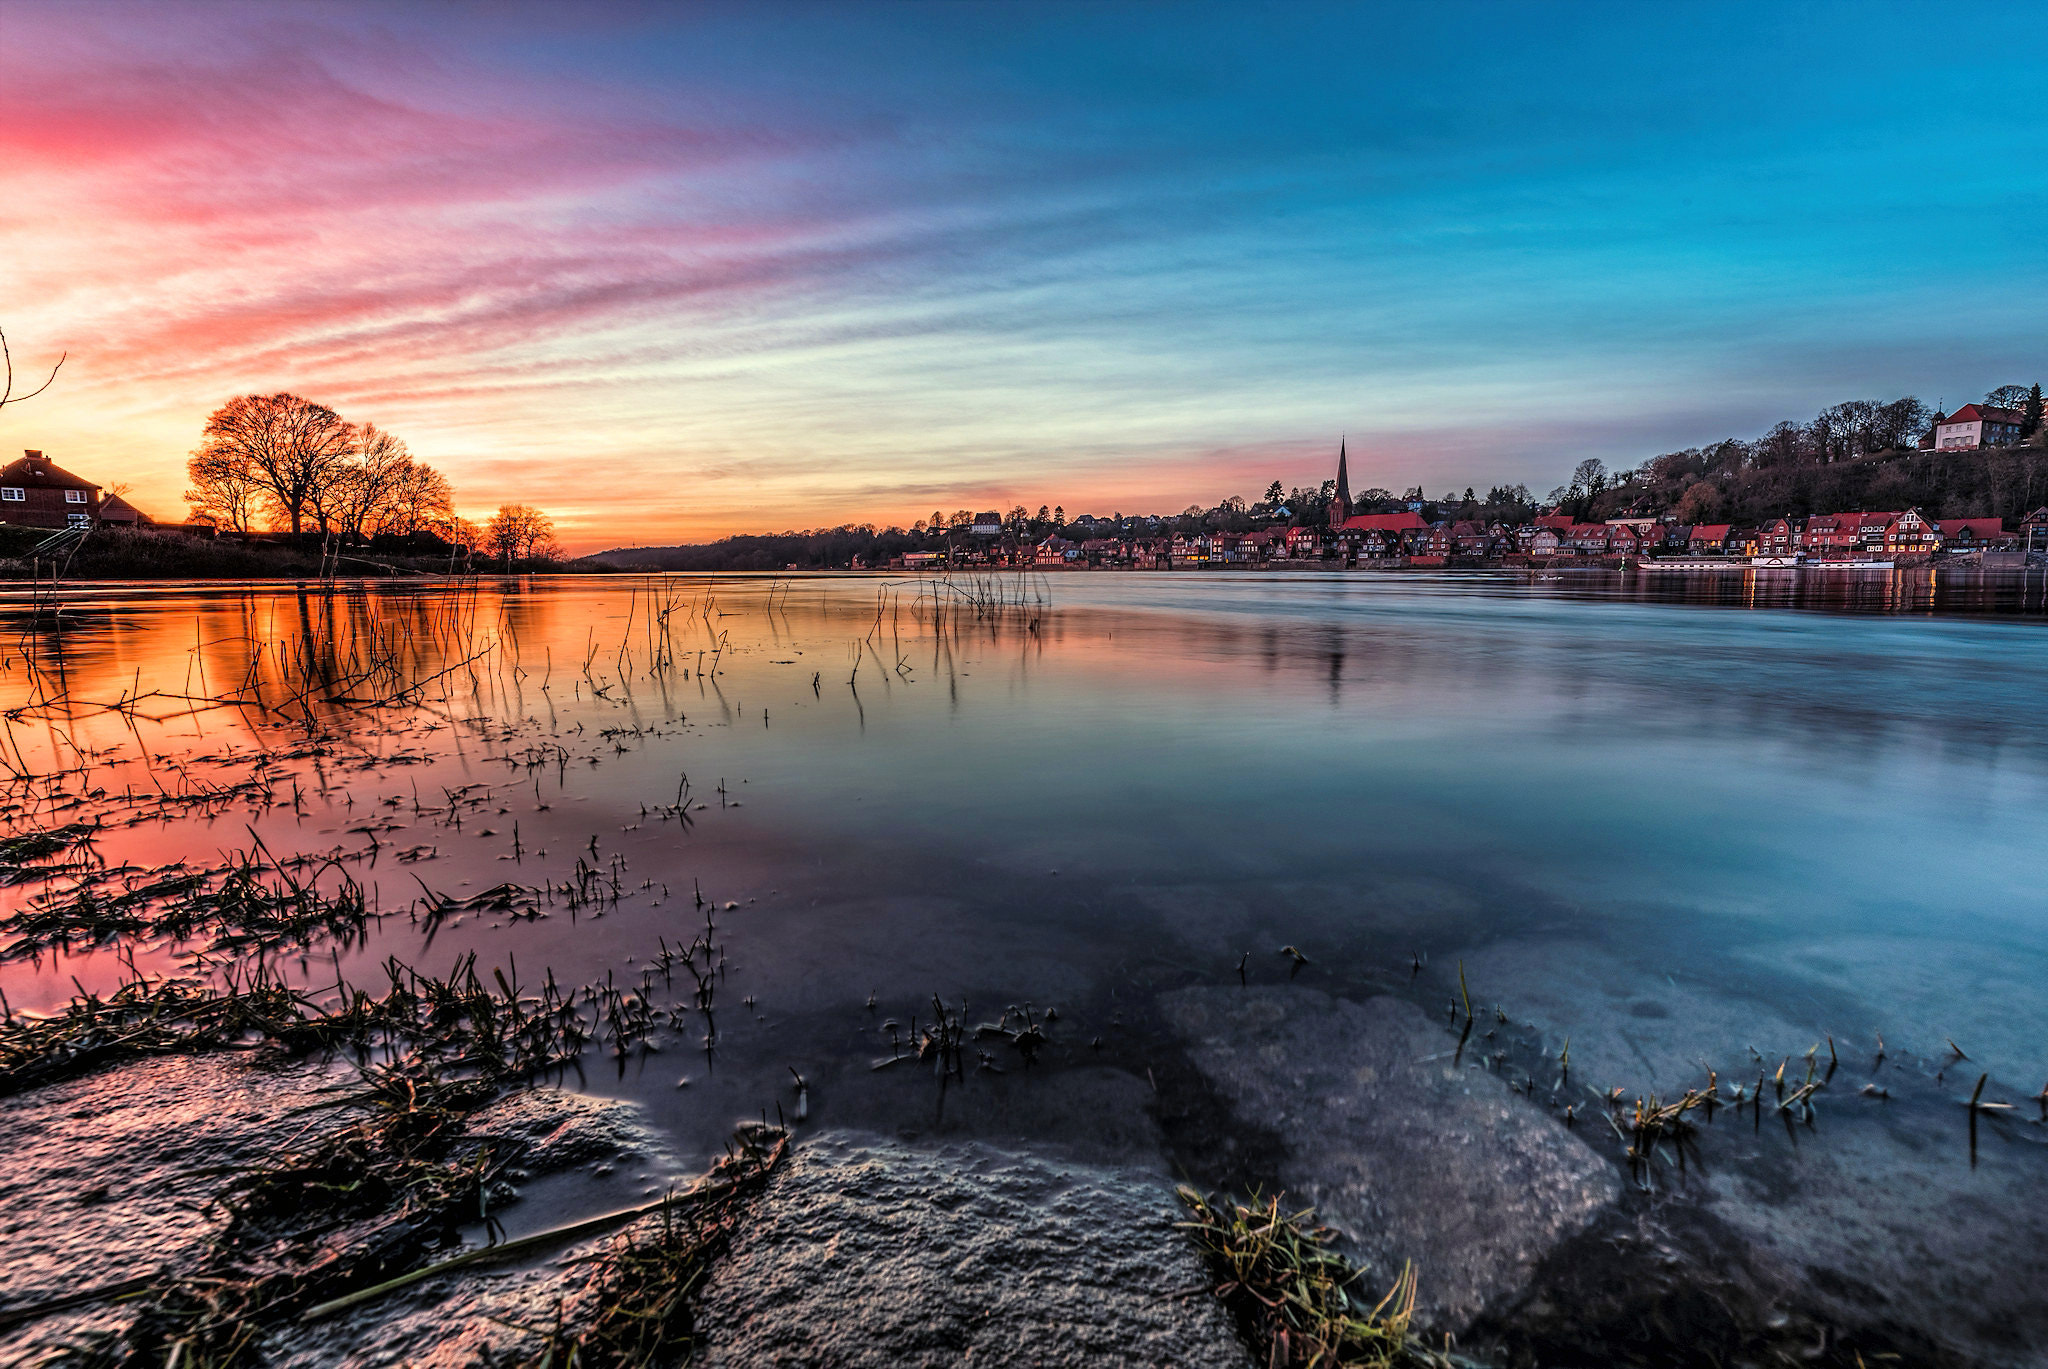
{"x":1684,"y":823}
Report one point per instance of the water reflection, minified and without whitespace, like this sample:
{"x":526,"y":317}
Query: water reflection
{"x":1783,"y":792}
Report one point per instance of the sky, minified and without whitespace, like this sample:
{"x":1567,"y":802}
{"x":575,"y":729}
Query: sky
{"x":674,"y":272}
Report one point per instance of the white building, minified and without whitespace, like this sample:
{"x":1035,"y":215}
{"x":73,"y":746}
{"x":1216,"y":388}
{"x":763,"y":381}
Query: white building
{"x":1977,"y":425}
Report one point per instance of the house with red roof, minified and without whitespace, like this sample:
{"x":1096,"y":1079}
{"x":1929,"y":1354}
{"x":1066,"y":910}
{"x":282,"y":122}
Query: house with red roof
{"x":1976,"y":425}
{"x":1779,"y":537}
{"x":36,"y":492}
{"x":1835,"y":535}
{"x":1708,"y":539}
{"x":1056,"y":551}
{"x":1974,"y":534}
{"x":1384,"y":522}
{"x":1264,"y":544}
{"x":1589,"y":539}
{"x":1912,"y":533}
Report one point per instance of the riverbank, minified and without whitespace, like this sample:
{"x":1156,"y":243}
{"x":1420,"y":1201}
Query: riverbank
{"x":110,"y":553}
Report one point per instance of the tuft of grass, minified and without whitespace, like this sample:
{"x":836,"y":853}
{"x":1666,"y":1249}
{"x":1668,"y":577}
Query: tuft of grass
{"x":253,"y":903}
{"x":20,"y":853}
{"x":145,"y":1015}
{"x":643,"y":1285}
{"x":1293,"y":1293}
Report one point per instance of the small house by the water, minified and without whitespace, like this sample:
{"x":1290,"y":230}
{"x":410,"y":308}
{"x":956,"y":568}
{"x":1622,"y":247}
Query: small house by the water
{"x":36,"y":492}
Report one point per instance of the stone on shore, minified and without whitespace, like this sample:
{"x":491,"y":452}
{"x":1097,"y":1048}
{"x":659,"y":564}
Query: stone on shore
{"x":1406,"y":1154}
{"x":865,"y":1251}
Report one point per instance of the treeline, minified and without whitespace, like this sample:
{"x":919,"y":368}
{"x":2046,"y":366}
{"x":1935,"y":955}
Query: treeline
{"x":295,"y":465}
{"x":289,"y":462}
{"x":1853,"y":456}
{"x":851,"y":547}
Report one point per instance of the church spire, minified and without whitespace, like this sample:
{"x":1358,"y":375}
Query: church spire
{"x":1340,"y":507}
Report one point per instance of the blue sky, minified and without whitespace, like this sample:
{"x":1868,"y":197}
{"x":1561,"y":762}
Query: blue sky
{"x":769,"y":266}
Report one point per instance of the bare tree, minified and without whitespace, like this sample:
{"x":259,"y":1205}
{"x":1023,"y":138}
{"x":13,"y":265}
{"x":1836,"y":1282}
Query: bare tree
{"x":1897,"y":424}
{"x":520,"y":532}
{"x":421,"y":500}
{"x":2008,"y":397}
{"x":363,"y":487}
{"x":7,"y":395}
{"x":294,"y":449}
{"x":1847,"y":429}
{"x":224,"y":490}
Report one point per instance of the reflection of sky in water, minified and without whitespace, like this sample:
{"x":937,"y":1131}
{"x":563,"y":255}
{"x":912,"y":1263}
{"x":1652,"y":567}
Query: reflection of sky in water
{"x":1374,"y":763}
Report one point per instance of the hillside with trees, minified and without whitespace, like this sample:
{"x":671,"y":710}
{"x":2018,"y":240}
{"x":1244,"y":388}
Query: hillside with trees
{"x":1855,"y":456}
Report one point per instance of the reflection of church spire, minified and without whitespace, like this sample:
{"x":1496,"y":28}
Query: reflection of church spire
{"x":1340,"y":507}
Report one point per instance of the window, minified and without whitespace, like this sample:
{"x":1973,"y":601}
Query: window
{"x":78,"y":520}
{"x":13,"y":494}
{"x":74,"y":496}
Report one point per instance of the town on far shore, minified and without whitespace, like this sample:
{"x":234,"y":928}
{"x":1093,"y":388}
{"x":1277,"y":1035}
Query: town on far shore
{"x":1331,"y":528}
{"x":1863,"y":486}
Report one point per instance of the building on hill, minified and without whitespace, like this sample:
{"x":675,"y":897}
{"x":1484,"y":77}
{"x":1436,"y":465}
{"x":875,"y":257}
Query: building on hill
{"x":36,"y":492}
{"x":1976,"y":425}
{"x":987,"y":525}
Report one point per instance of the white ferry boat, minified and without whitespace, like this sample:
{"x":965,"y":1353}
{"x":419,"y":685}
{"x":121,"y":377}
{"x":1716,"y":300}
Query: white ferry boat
{"x":1792,"y":562}
{"x":1846,"y":565}
{"x":1693,"y":563}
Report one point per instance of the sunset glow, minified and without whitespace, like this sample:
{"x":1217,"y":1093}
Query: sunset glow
{"x":678,"y":273}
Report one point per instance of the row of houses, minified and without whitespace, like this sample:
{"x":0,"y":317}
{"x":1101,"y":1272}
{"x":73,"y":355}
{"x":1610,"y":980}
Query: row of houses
{"x":1406,"y":538}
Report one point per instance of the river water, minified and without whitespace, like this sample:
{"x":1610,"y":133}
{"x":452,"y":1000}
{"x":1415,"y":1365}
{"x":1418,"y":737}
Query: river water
{"x":1683,"y":823}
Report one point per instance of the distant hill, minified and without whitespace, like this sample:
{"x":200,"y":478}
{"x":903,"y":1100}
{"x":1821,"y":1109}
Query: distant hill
{"x":836,"y":549}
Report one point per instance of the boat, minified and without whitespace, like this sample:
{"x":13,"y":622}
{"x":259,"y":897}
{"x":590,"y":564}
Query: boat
{"x":1693,"y":563}
{"x":1847,"y":565}
{"x":1791,"y":562}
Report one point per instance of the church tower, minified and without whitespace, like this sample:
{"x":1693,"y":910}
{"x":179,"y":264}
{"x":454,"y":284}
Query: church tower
{"x":1340,"y":507}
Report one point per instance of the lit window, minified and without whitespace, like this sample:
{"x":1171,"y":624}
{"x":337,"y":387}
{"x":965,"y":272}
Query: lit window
{"x":78,"y":520}
{"x":74,"y":496}
{"x":13,"y":494}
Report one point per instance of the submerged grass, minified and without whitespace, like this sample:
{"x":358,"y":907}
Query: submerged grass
{"x":145,"y":1015}
{"x":363,"y":1198}
{"x":637,"y":1307}
{"x":1292,"y":1292}
{"x":22,"y":854}
{"x":253,"y":903}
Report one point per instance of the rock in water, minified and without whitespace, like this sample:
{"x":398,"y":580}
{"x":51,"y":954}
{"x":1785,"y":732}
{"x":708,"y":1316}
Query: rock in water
{"x":1404,"y":1153}
{"x":867,"y":1252}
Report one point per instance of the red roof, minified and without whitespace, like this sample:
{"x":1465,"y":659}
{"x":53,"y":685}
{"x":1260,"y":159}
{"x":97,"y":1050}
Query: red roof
{"x":1555,"y":520}
{"x":1710,"y":532}
{"x":1979,"y":527}
{"x":38,"y":471}
{"x":1385,"y":522}
{"x":1971,"y":413}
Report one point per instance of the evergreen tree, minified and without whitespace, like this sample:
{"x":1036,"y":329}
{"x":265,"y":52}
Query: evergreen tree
{"x":2030,"y":416}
